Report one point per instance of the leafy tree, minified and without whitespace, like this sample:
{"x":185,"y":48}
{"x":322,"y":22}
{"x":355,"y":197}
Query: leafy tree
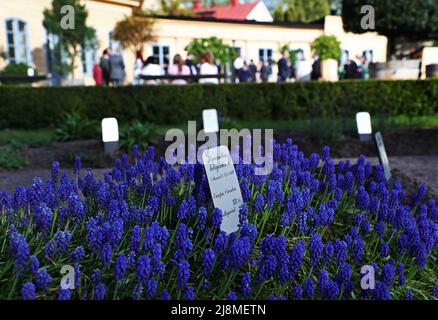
{"x":278,"y":13}
{"x":221,"y":51}
{"x":401,"y":20}
{"x":295,"y":11}
{"x":327,"y":47}
{"x":71,"y":40}
{"x":301,"y":10}
{"x":134,"y":31}
{"x":175,"y":8}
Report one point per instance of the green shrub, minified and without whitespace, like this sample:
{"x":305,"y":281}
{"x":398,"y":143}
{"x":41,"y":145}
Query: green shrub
{"x":171,"y":105}
{"x":12,"y":159}
{"x":327,"y":47}
{"x":138,"y":133}
{"x":326,"y":131}
{"x":15,"y":69}
{"x":76,"y":127}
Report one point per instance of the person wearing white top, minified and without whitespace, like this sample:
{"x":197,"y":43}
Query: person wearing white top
{"x":208,"y":68}
{"x":304,"y":69}
{"x":151,"y":68}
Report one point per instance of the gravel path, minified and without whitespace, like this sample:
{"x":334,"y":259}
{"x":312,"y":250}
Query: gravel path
{"x":421,"y":169}
{"x":418,"y":168}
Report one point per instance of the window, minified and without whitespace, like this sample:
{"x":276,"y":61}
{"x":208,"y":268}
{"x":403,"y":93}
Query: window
{"x":299,"y":55}
{"x":345,"y":55}
{"x":265,"y":54}
{"x":302,"y":51}
{"x":17,"y":41}
{"x":89,"y":57}
{"x":162,"y":53}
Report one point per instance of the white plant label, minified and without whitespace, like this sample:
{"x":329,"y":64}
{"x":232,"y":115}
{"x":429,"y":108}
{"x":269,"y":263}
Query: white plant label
{"x":210,"y":120}
{"x":224,"y":186}
{"x":382,"y":155}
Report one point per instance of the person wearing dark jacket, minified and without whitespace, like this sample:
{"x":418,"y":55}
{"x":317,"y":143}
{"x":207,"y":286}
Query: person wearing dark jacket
{"x":189,"y":63}
{"x":244,"y":74}
{"x":351,"y":70}
{"x":316,"y":69}
{"x":105,"y":66}
{"x":253,"y":70}
{"x":283,"y":67}
{"x":265,"y":70}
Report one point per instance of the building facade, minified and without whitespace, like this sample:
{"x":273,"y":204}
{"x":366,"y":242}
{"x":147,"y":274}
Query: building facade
{"x":24,"y":38}
{"x":262,"y":40}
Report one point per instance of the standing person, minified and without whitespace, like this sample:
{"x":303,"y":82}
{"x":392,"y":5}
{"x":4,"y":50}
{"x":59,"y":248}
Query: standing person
{"x":192,"y":67}
{"x":359,"y":63}
{"x":304,"y":69}
{"x":178,"y":68}
{"x":283,"y":67}
{"x":253,"y":70}
{"x":237,"y":65}
{"x":152,"y":68}
{"x":366,"y":68}
{"x":138,"y":66}
{"x":351,"y":69}
{"x":208,"y":67}
{"x":244,"y":74}
{"x":316,"y":69}
{"x":105,"y":66}
{"x":117,"y":68}
{"x":97,"y":74}
{"x":265,"y":71}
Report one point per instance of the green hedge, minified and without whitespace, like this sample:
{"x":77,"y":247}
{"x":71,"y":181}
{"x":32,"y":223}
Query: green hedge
{"x":166,"y":104}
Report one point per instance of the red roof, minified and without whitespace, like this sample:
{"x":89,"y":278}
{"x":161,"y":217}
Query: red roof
{"x":237,"y":11}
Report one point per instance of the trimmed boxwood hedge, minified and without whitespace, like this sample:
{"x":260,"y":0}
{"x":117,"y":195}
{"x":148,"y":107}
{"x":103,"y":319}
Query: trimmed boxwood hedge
{"x":168,"y":104}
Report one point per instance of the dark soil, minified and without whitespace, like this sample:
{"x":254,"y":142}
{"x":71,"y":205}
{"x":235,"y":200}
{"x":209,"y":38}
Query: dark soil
{"x":413,"y":142}
{"x":90,"y":152}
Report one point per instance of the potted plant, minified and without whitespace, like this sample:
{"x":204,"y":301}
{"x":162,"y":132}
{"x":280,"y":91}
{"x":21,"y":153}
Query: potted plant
{"x":328,"y":49}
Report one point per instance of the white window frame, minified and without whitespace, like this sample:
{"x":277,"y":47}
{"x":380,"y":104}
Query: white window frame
{"x":161,"y":53}
{"x":371,"y":51}
{"x":305,"y":49}
{"x":18,"y":58}
{"x":345,"y":56}
{"x":265,"y":53}
{"x":89,"y":57}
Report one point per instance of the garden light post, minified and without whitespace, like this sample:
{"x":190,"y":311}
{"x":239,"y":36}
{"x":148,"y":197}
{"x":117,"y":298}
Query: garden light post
{"x":210,"y":120}
{"x":364,"y":129}
{"x":110,"y":135}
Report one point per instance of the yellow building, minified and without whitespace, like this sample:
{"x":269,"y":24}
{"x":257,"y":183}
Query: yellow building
{"x":24,"y":38}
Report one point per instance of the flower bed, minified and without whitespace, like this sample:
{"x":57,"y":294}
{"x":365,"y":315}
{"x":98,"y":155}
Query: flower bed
{"x":149,"y":231}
